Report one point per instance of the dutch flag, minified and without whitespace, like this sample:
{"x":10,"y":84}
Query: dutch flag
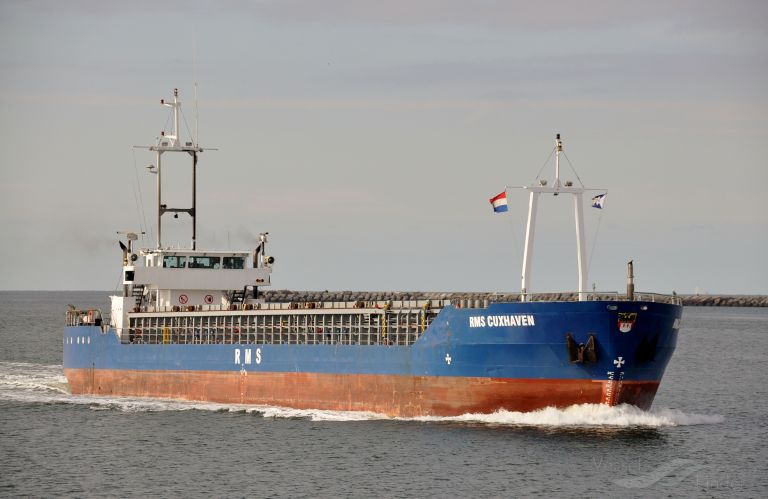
{"x":499,"y":202}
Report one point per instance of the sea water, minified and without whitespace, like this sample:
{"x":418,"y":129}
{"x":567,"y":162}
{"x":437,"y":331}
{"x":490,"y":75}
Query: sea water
{"x":705,"y":435}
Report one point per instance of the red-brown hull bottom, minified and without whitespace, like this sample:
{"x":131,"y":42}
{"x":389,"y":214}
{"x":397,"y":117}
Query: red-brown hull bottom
{"x":404,"y":396}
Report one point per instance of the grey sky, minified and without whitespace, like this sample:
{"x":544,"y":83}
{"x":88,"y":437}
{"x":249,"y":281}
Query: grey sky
{"x":367,"y":137}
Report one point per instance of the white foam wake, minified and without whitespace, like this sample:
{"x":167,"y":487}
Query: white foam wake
{"x":46,"y":384}
{"x":587,"y":415}
{"x":21,"y":376}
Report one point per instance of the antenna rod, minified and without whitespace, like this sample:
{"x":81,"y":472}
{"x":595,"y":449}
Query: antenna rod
{"x":197,"y":119}
{"x":176,"y":115}
{"x":558,"y":149}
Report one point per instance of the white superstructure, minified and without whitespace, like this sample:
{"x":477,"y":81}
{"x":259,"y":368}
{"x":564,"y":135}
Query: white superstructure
{"x":163,"y":278}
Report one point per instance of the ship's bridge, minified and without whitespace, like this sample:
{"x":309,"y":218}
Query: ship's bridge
{"x":193,"y":259}
{"x":185,"y":277}
{"x":196,"y":269}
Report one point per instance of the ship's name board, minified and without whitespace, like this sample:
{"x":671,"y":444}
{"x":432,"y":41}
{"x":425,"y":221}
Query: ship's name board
{"x":516,"y":320}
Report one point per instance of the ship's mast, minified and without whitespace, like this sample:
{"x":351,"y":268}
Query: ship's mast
{"x":172,"y":143}
{"x":556,"y":188}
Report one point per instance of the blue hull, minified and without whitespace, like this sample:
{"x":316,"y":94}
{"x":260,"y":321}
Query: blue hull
{"x":511,"y":342}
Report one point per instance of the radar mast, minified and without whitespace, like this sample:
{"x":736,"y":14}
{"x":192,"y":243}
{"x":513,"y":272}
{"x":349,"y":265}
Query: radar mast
{"x":172,"y":143}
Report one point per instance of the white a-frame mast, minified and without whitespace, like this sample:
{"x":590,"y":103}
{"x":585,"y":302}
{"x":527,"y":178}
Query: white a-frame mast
{"x":557,"y":188}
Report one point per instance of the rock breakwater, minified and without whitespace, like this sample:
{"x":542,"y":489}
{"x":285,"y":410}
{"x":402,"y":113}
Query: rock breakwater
{"x":284,"y":295}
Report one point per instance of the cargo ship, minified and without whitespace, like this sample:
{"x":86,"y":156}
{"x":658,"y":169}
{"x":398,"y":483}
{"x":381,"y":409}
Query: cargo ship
{"x":202,"y":325}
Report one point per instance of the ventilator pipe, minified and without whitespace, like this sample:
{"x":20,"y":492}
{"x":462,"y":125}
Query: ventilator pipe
{"x":630,"y":281}
{"x":256,"y":256}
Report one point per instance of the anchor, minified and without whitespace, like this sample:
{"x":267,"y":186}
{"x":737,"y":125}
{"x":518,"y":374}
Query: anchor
{"x":581,"y":353}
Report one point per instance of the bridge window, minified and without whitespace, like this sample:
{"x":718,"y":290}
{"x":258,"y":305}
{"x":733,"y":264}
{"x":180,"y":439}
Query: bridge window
{"x":174,"y":262}
{"x":234,"y":262}
{"x":204,"y":262}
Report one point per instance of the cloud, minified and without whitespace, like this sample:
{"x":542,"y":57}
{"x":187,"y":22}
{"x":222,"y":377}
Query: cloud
{"x":748,"y":15}
{"x":521,"y":15}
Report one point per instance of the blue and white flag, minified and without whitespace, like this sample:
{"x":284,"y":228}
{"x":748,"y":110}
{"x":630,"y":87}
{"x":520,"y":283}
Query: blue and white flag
{"x":499,"y":202}
{"x":597,"y":201}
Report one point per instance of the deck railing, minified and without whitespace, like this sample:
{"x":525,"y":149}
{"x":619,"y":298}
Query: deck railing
{"x":287,"y":326}
{"x":90,"y":317}
{"x":603,"y":296}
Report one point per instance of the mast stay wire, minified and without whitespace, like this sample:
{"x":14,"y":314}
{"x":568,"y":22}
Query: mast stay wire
{"x":573,"y":169}
{"x":186,"y":124}
{"x":545,"y":164}
{"x":594,"y":242}
{"x":599,"y":219}
{"x":167,"y":121}
{"x":515,"y":241}
{"x":143,"y":228}
{"x":119,"y":280}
